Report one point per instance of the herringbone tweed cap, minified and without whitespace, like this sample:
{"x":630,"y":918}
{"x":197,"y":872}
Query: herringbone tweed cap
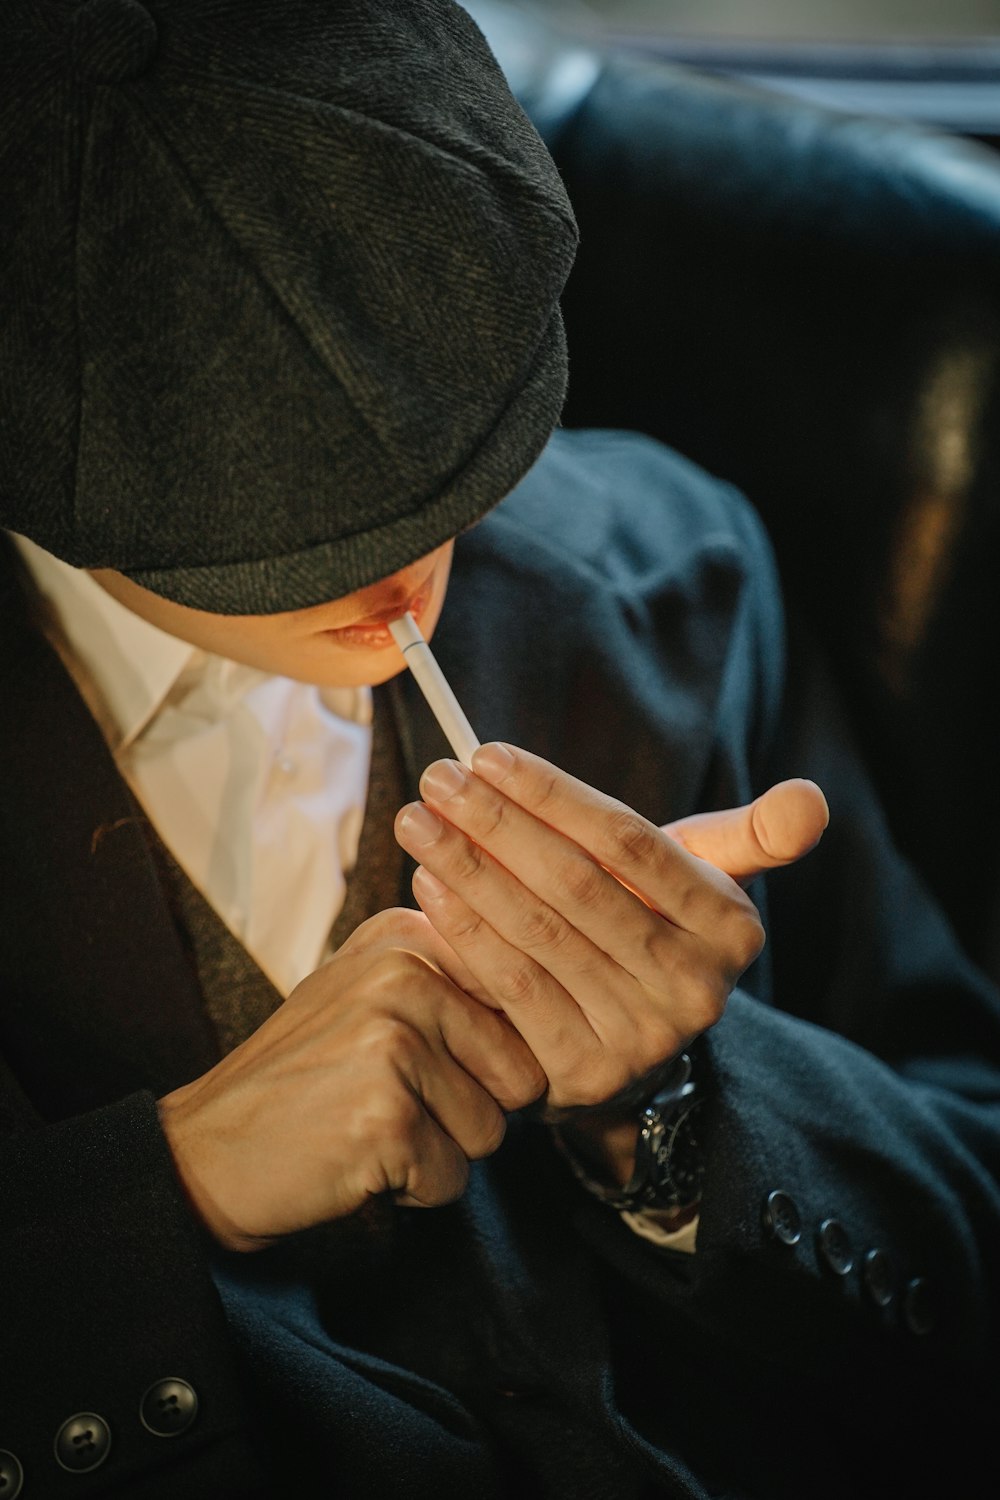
{"x":280,"y":286}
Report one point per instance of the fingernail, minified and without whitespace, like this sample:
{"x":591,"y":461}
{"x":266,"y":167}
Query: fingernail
{"x":427,"y":885}
{"x":493,"y":762}
{"x":443,"y":780}
{"x":419,"y":825}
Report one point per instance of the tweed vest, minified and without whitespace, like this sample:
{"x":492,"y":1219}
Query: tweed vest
{"x":238,"y":995}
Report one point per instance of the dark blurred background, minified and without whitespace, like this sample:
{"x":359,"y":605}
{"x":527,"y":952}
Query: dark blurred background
{"x":936,"y":62}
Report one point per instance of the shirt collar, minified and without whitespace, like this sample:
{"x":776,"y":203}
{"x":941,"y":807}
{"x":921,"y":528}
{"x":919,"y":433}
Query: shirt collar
{"x":132,"y":664}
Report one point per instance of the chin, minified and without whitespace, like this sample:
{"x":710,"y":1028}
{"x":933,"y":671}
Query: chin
{"x":361,"y":669}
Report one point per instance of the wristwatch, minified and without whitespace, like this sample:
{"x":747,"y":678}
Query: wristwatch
{"x":668,"y":1164}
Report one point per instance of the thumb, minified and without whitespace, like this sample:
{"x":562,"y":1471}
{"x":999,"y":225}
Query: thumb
{"x":784,"y":823}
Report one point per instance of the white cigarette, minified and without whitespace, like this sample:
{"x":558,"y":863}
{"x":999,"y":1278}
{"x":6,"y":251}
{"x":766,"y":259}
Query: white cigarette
{"x":434,"y":685}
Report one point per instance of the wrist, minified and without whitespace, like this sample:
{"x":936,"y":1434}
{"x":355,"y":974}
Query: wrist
{"x":667,"y":1170}
{"x":183,"y":1138}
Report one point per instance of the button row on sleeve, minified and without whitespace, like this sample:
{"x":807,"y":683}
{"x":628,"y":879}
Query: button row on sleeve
{"x":783,"y":1222}
{"x":83,"y":1442}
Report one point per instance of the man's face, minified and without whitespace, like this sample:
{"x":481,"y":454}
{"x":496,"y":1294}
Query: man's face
{"x":344,"y":643}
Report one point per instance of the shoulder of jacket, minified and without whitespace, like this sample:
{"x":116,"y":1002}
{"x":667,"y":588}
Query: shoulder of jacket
{"x":619,"y":508}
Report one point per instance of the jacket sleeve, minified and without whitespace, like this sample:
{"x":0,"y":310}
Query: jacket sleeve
{"x":849,"y":1237}
{"x":836,"y":1330}
{"x":863,"y":1086}
{"x":109,"y":1315}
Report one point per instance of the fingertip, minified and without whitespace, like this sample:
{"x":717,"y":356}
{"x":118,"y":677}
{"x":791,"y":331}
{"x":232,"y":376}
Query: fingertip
{"x":427,"y":887}
{"x":789,"y":819}
{"x":820,"y":806}
{"x":493,"y":761}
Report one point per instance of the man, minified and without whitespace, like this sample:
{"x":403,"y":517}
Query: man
{"x":331,"y":343}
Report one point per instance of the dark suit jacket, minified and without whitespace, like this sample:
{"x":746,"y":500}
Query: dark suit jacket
{"x":619,"y":614}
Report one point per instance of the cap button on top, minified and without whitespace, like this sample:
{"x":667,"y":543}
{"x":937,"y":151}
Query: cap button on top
{"x":112,"y":40}
{"x":781,"y":1218}
{"x":169,"y":1407}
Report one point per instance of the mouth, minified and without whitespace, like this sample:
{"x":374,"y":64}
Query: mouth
{"x":372,"y":633}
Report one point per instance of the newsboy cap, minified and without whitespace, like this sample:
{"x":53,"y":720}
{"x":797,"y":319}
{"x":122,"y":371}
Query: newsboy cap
{"x":280,"y":286}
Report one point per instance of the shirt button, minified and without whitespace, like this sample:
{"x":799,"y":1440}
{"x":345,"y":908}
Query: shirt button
{"x":169,"y":1407}
{"x":11,"y":1475}
{"x":835,"y":1247}
{"x":781,"y":1218}
{"x":83,"y":1442}
{"x":877,"y":1278}
{"x":286,"y":765}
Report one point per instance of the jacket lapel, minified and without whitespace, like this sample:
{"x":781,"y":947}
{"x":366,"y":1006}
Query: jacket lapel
{"x":99,"y":999}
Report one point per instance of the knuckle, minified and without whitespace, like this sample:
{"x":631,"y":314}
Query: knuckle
{"x":523,"y":1080}
{"x":404,"y":1118}
{"x":583,"y":881}
{"x":469,"y":860}
{"x":398,"y":923}
{"x":547,"y":794}
{"x":394,"y":1041}
{"x":464,"y":925}
{"x":658,"y":1039}
{"x":541,"y":927}
{"x":696,"y":993}
{"x":385,"y":927}
{"x":444,"y":1181}
{"x":530,"y":1083}
{"x":705,"y":1004}
{"x":489,"y":1137}
{"x":657,"y":943}
{"x":747,"y":937}
{"x":601,"y":1086}
{"x":626,"y":839}
{"x":394,"y":971}
{"x":491,"y":812}
{"x":517,"y":979}
{"x":389,"y":1126}
{"x":452,"y":1183}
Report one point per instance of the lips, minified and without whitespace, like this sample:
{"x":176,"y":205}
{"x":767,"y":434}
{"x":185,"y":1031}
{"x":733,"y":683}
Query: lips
{"x":372,"y":633}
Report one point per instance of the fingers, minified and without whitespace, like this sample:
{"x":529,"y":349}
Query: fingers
{"x":594,"y":1019}
{"x":490,"y":1051}
{"x":424,"y":1116}
{"x":565,"y":906}
{"x":377,"y":1075}
{"x":778,"y":828}
{"x":606,"y":942}
{"x":407,"y":986}
{"x":590,"y":1047}
{"x":496,"y":904}
{"x":687,"y":891}
{"x":553,"y":1023}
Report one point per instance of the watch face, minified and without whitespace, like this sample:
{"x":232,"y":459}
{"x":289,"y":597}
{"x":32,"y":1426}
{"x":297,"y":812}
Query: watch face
{"x":669,"y":1168}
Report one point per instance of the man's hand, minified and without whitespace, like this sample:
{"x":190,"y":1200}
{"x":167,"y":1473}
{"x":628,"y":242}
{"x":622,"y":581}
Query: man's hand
{"x":378,"y":1075}
{"x":607,"y":942}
